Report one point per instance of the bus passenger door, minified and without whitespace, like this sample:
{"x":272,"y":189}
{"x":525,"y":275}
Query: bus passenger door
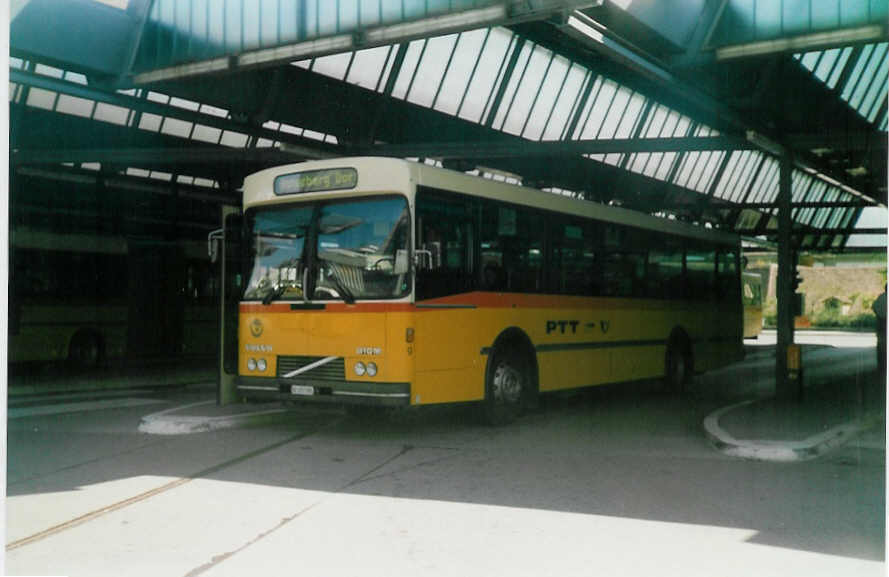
{"x":447,"y":346}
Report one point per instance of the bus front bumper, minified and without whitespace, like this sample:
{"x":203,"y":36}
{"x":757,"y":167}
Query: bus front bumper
{"x":325,"y":391}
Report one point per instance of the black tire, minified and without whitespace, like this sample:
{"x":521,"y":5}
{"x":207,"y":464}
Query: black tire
{"x":85,"y":350}
{"x":506,"y":386}
{"x":678,"y":366}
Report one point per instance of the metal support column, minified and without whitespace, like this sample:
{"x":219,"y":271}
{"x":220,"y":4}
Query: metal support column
{"x":785,"y":387}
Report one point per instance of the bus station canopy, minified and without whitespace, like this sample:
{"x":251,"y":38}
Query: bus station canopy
{"x":679,"y":108}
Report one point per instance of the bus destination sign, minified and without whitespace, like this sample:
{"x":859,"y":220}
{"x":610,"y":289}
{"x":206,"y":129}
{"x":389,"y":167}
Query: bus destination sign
{"x":316,"y":181}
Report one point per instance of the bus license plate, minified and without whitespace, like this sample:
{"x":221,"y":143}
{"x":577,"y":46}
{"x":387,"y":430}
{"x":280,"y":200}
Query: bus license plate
{"x":302,"y":390}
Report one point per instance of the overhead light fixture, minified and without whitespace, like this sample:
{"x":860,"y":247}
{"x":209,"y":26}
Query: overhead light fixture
{"x":802,"y":43}
{"x":182,"y":71}
{"x":585,"y":29}
{"x":477,"y":18}
{"x":856,"y":171}
{"x":765,"y":143}
{"x":298,"y":51}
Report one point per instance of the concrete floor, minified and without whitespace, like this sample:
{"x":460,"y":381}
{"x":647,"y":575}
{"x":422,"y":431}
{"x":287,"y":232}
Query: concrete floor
{"x":614,"y":481}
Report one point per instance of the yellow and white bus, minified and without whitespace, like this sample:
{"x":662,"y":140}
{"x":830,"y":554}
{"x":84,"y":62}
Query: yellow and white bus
{"x":379,"y":281}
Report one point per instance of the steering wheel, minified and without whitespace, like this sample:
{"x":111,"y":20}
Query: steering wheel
{"x":387,"y":259}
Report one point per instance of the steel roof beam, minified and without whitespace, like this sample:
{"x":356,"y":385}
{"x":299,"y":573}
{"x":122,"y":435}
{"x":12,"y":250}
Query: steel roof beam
{"x":347,"y":38}
{"x":518,"y":147}
{"x":141,"y":105}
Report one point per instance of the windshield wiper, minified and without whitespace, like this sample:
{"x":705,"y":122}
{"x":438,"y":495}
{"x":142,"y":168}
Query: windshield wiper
{"x":347,"y":295}
{"x":274,"y":293}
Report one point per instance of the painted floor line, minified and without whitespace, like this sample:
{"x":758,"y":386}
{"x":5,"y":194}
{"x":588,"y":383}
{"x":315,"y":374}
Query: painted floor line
{"x":62,"y":408}
{"x":168,"y":423}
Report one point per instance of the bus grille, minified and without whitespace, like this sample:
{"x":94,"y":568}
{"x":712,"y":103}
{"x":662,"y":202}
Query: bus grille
{"x":335,"y":370}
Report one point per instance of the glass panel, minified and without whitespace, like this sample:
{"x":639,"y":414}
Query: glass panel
{"x":176,"y":127}
{"x":549,"y":91}
{"x":599,"y":110}
{"x":110,"y":113}
{"x":408,"y":66}
{"x":359,"y":243}
{"x":573,"y":256}
{"x":566,"y":103}
{"x":700,"y":273}
{"x":487,"y":75}
{"x":456,"y":81}
{"x":839,"y":67}
{"x":40,"y":98}
{"x":334,"y":65}
{"x":73,"y":105}
{"x":511,"y":248}
{"x":277,"y":240}
{"x":431,"y":70}
{"x":531,"y":83}
{"x":367,"y":67}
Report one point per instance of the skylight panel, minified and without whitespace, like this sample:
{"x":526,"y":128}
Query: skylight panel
{"x":566,"y":103}
{"x":75,"y":106}
{"x":111,"y":113}
{"x":487,"y":76}
{"x":334,"y":65}
{"x":40,"y":98}
{"x":462,"y":64}
{"x":408,"y":66}
{"x":545,"y":101}
{"x":176,"y":127}
{"x":367,"y":66}
{"x":233,"y":139}
{"x":512,"y":87}
{"x":150,"y":122}
{"x":431,"y":69}
{"x":206,"y":133}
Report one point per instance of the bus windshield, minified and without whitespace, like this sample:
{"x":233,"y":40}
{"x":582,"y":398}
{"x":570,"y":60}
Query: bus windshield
{"x":356,"y":249}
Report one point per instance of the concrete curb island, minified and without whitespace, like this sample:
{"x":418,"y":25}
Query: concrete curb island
{"x":783,"y":450}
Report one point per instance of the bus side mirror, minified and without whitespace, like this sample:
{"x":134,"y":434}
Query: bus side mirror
{"x":402,"y":263}
{"x":213,"y":243}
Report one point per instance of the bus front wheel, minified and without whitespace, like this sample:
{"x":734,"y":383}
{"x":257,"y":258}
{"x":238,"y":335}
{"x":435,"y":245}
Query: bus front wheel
{"x":506,"y":383}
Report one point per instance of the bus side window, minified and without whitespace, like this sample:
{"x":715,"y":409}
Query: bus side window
{"x":445,"y":240}
{"x":512,"y":248}
{"x":665,"y":271}
{"x":700,"y":267}
{"x":727,"y":274}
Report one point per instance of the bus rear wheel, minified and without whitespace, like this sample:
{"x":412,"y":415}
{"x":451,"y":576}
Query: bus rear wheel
{"x":85,"y":351}
{"x":678,"y":366}
{"x":506,"y":384}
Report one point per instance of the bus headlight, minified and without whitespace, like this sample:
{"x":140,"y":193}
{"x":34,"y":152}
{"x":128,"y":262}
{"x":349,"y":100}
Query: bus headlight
{"x":251,"y":364}
{"x":360,"y":369}
{"x":261,"y":365}
{"x":371,"y":369}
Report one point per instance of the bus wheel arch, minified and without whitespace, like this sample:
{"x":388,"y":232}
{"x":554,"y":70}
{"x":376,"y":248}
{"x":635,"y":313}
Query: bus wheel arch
{"x":86,"y":349}
{"x":678,"y":360}
{"x":511,"y":377}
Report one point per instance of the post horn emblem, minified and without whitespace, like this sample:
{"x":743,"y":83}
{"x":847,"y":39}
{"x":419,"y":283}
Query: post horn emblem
{"x":256,"y":327}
